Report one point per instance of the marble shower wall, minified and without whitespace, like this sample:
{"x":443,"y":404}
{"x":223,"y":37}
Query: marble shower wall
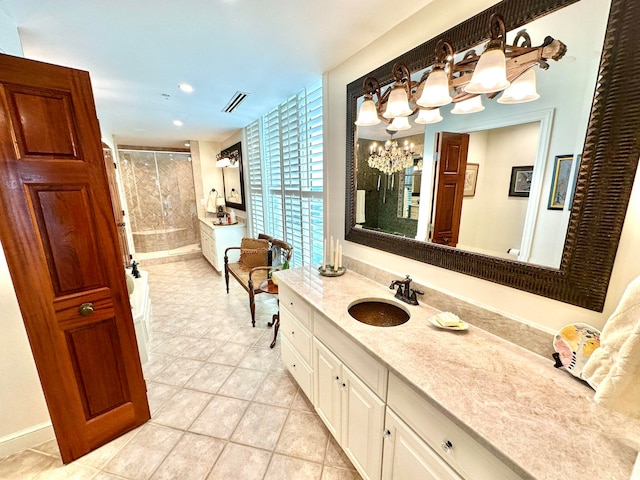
{"x":160,"y":196}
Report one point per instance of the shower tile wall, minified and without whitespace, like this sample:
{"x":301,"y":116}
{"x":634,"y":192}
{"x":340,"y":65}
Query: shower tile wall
{"x":160,"y":196}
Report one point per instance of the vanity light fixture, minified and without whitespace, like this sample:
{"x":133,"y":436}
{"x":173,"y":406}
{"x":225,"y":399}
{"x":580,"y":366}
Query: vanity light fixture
{"x":227,"y":159}
{"x":500,"y":68}
{"x":470,"y":105}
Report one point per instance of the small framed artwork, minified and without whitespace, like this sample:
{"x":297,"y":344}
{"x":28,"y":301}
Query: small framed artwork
{"x":560,"y":181}
{"x":470,"y":179}
{"x":520,"y":185}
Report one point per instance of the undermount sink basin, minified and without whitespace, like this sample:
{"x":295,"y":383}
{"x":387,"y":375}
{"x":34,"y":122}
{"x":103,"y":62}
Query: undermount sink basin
{"x":378,"y":313}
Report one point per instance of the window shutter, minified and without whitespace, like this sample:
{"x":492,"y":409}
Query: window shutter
{"x":290,"y":188}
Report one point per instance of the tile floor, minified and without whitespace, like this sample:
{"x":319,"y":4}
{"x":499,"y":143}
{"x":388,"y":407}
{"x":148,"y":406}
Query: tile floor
{"x":222,"y":404}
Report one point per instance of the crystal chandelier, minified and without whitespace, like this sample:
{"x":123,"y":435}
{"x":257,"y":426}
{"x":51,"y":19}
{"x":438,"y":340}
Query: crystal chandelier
{"x":391,"y":158}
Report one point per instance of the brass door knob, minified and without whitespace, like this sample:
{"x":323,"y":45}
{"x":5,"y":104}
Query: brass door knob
{"x":86,"y":309}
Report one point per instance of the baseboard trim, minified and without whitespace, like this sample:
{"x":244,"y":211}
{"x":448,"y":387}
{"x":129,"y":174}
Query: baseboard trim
{"x":23,"y":439}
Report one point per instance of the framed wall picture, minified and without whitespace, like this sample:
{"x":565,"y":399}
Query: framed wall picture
{"x":520,"y":184}
{"x":470,"y":179}
{"x":560,"y":181}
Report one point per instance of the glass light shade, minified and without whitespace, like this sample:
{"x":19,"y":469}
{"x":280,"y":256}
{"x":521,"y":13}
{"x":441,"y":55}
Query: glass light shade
{"x":490,"y":74}
{"x":429,"y":116}
{"x":522,"y":89}
{"x":223,"y":162}
{"x":400,"y":123}
{"x":436,"y":90}
{"x":471,"y":105}
{"x":398,"y":104}
{"x":368,"y":114}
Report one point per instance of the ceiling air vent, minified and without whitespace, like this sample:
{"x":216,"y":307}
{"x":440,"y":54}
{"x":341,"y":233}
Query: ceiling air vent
{"x":235,"y":101}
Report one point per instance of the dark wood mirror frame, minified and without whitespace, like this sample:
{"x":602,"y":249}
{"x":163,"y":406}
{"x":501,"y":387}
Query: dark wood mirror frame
{"x":241,"y":204}
{"x":609,"y":161}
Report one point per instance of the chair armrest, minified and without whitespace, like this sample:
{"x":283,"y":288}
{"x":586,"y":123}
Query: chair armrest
{"x":230,"y":248}
{"x":255,"y":269}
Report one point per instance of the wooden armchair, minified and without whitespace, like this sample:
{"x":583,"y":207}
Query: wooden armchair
{"x":257,"y":258}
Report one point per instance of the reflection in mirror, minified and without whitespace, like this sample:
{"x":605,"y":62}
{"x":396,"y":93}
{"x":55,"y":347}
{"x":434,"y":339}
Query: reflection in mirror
{"x":598,"y":192}
{"x":230,"y":160}
{"x":502,"y":136}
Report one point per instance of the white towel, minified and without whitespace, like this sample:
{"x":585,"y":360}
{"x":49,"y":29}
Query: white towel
{"x":211,"y":202}
{"x":614,"y":368}
{"x":360,"y":198}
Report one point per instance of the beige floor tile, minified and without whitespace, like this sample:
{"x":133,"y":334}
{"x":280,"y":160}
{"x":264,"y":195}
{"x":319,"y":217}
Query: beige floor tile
{"x":220,"y":417}
{"x":229,"y":354}
{"x":174,"y":345}
{"x":278,"y":390}
{"x":210,"y":377}
{"x":301,"y":402}
{"x":156,"y":363}
{"x":222,"y":331}
{"x":278,"y":366}
{"x":240,"y":462}
{"x":182,"y":409}
{"x":27,"y":464}
{"x":259,"y":358}
{"x":178,"y":372}
{"x":335,"y":456}
{"x":101,"y":456}
{"x":332,"y":473}
{"x":260,"y":426}
{"x":191,"y":459}
{"x":50,"y":448}
{"x":242,"y":383}
{"x":304,"y":436}
{"x":158,"y":394}
{"x":202,"y":349}
{"x":287,"y":468}
{"x":248,"y":335}
{"x":72,"y":471}
{"x":108,"y":476}
{"x":139,"y":458}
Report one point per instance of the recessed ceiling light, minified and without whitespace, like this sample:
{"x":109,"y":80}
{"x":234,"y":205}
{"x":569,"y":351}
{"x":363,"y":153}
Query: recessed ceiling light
{"x":187,"y":144}
{"x":185,"y":87}
{"x":177,"y":123}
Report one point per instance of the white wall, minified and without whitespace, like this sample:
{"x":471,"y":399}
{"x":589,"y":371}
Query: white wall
{"x":492,"y":221}
{"x":24,"y":419}
{"x":546,"y":313}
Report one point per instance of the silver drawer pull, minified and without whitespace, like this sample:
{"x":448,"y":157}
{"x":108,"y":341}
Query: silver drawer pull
{"x":447,"y":446}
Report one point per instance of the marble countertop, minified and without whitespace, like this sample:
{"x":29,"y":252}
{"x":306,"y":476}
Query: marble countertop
{"x":538,"y":420}
{"x":212,"y":222}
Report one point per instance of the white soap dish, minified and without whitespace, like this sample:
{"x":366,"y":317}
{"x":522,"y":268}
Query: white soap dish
{"x":448,"y":321}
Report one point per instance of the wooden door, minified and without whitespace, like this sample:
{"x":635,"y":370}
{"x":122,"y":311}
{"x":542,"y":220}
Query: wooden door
{"x":118,"y":212}
{"x":59,"y":236}
{"x":452,"y":149}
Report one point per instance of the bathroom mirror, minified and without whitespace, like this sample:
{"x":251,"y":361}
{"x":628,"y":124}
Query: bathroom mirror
{"x":608,"y":161}
{"x":233,"y":179}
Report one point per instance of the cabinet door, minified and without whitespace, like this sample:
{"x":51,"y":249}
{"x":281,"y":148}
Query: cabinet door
{"x":326,"y":388}
{"x":362,"y":425}
{"x":408,"y":457}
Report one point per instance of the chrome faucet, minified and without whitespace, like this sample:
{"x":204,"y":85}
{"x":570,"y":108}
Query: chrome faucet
{"x":405,"y":292}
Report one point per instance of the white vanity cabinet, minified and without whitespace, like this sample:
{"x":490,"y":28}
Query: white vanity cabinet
{"x":407,"y":457}
{"x":215,"y":239}
{"x":438,"y":434}
{"x":352,"y":411}
{"x":296,"y":320}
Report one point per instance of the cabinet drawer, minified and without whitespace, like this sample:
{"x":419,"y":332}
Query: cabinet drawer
{"x":466,"y":456}
{"x":300,"y":371}
{"x":298,"y":336}
{"x":364,"y":365}
{"x":300,"y":309}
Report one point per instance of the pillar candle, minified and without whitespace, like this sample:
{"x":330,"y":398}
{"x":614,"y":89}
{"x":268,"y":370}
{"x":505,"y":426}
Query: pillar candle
{"x":330,"y":261}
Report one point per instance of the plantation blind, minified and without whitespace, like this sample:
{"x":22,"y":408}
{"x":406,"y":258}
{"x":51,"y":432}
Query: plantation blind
{"x":286,"y":174}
